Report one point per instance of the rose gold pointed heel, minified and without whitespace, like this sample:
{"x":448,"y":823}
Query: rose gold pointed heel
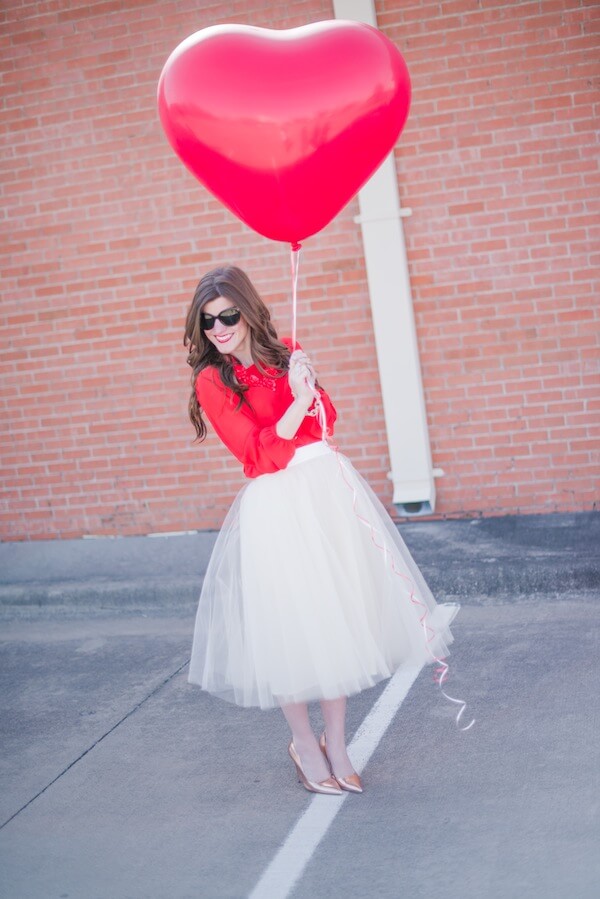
{"x":329,"y":786}
{"x":352,"y":782}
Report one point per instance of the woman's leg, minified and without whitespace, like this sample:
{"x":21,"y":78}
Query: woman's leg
{"x":305,"y":742}
{"x":334,"y":715}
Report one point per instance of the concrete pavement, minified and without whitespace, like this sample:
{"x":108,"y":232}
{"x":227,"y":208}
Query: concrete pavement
{"x":120,"y":779}
{"x":512,"y":555}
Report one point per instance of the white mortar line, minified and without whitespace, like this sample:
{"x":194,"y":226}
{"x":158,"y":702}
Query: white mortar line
{"x":286,"y":867}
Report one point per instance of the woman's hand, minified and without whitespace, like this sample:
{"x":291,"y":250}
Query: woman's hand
{"x":301,"y":377}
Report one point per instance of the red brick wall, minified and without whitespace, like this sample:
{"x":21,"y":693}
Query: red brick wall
{"x":105,"y":235}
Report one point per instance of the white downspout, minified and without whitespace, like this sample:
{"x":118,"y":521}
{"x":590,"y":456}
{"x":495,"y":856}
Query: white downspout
{"x":393,"y":321}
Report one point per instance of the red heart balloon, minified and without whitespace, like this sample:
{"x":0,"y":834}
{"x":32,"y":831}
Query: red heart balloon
{"x":284,"y":127}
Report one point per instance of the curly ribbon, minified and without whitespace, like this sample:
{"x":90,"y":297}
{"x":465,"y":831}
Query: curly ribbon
{"x":429,"y":633}
{"x":441,"y":671}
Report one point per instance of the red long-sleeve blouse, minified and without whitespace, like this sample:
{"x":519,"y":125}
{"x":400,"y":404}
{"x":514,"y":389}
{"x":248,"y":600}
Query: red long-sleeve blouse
{"x":249,"y":432}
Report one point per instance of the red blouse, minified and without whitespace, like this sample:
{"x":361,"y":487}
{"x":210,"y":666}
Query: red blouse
{"x":249,"y":432}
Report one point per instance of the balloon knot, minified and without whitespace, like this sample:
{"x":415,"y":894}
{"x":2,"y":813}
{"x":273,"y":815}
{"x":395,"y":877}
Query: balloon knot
{"x":296,"y":246}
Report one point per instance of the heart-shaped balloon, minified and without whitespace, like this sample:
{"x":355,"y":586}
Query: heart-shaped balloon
{"x":284,"y":127}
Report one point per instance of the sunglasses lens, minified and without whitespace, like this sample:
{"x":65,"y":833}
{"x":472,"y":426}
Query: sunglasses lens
{"x":230,"y":317}
{"x":207,"y":322}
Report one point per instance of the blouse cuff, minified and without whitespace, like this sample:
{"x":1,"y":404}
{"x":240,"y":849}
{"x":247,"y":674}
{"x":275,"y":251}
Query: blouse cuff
{"x":279,"y":449}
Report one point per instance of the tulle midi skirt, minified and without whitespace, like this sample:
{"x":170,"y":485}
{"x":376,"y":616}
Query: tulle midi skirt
{"x":310,"y":592}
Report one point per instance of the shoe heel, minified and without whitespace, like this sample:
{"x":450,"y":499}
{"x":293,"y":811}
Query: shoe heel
{"x":329,"y":787}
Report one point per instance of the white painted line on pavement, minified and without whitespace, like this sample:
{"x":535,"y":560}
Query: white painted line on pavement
{"x":284,"y":871}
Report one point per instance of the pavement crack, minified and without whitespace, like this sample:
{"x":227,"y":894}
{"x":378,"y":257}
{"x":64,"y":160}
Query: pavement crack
{"x":158,"y":687}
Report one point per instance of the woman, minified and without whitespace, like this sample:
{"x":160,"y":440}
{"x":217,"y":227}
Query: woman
{"x":310,"y":593}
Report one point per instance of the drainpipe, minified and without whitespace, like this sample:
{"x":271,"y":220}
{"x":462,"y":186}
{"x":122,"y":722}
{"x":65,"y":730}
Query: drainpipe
{"x":380,"y":219}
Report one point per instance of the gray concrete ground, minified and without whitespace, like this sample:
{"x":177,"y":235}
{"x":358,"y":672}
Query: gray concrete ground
{"x":122,"y":781}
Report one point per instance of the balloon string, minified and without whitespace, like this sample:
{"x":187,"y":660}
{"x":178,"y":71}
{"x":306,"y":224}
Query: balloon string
{"x":429,"y":633}
{"x":318,"y":409}
{"x":295,"y":260}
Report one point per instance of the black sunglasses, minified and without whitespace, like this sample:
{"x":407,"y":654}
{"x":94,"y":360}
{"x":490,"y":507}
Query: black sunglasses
{"x":227,"y":317}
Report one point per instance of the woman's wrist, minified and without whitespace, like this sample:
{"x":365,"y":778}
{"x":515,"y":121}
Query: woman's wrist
{"x":303,"y":403}
{"x":289,"y":423}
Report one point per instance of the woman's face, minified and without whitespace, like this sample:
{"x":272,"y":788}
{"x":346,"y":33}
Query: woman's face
{"x":232,"y":340}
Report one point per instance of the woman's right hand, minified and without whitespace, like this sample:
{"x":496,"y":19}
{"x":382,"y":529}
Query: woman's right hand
{"x":301,"y":377}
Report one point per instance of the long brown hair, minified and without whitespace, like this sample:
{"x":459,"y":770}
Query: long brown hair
{"x":267,"y":350}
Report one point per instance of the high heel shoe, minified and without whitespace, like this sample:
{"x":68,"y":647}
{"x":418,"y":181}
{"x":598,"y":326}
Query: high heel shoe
{"x":329,"y":786}
{"x":352,"y":782}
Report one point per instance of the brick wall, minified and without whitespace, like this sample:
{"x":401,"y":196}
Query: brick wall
{"x":105,"y":234}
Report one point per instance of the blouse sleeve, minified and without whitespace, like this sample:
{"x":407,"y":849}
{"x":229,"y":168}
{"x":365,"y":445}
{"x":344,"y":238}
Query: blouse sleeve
{"x":330,"y":410}
{"x":260,"y":449}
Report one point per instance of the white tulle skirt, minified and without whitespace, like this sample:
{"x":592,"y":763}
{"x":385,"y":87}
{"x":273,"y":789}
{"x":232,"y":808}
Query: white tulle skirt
{"x":310,"y":592}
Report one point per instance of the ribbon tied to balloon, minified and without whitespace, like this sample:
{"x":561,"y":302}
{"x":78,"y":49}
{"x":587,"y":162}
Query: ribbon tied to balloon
{"x":284,"y":127}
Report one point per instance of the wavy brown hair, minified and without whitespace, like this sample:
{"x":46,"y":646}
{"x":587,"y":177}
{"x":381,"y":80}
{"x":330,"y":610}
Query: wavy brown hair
{"x":267,"y":350}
